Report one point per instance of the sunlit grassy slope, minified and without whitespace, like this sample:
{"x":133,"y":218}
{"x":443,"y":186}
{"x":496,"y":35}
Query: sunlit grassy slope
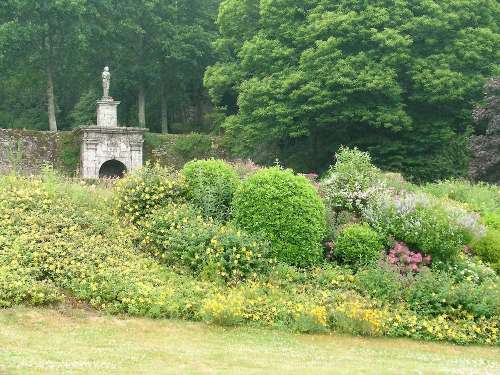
{"x":34,"y":341}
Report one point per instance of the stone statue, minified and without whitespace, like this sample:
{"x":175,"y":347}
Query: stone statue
{"x":106,"y":78}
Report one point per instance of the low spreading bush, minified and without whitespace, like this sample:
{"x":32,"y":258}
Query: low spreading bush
{"x":146,"y":190}
{"x":435,"y":293}
{"x":287,"y":209}
{"x":210,"y":186}
{"x":384,"y":283}
{"x":179,"y":235}
{"x":351,"y":182}
{"x":481,"y":197}
{"x":492,"y":220}
{"x":488,"y":248}
{"x":358,"y":245}
{"x":423,"y":226}
{"x":56,"y":235}
{"x":17,"y":287}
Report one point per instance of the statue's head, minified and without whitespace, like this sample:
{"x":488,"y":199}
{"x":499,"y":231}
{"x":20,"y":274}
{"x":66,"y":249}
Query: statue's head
{"x":106,"y":69}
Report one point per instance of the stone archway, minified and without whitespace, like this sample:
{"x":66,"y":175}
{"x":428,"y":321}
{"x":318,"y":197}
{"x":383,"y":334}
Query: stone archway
{"x":112,"y":169}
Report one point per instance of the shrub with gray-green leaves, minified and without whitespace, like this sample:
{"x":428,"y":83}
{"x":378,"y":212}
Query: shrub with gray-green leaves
{"x":351,"y":182}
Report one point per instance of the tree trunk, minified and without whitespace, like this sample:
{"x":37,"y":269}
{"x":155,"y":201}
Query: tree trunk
{"x":142,"y":106}
{"x":51,"y":103}
{"x":164,"y":110}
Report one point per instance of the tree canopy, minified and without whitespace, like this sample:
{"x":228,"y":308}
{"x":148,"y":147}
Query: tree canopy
{"x":52,"y":53}
{"x":398,"y":78}
{"x":289,"y":79}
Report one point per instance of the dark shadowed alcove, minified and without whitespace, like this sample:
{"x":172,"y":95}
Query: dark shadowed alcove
{"x":112,"y":169}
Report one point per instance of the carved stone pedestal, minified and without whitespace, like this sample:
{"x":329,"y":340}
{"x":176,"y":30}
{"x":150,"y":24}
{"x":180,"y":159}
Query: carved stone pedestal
{"x":107,"y":113}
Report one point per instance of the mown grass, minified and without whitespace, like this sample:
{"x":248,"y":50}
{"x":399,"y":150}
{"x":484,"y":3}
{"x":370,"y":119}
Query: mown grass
{"x":68,"y":340}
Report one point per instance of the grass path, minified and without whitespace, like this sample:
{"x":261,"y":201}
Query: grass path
{"x":75,"y":341}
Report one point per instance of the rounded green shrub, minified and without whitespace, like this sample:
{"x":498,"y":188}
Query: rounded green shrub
{"x":358,"y":244}
{"x":488,"y":249}
{"x":210,"y":186}
{"x":287,"y":209}
{"x":178,"y":235}
{"x":146,"y":190}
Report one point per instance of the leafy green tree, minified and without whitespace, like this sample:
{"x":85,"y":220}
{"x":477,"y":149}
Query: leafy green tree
{"x":54,"y":51}
{"x":397,"y":78}
{"x":38,"y":37}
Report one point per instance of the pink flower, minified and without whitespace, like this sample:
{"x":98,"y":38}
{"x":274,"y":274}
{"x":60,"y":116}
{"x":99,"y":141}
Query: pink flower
{"x":427,"y":260}
{"x":400,"y":248}
{"x":417,"y":258}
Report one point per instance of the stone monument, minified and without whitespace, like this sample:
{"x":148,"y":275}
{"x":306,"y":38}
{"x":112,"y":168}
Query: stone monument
{"x":108,"y":150}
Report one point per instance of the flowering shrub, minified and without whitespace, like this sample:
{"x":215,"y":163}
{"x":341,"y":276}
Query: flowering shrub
{"x":54,"y":238}
{"x":467,"y":269}
{"x":351,"y":182}
{"x":210,"y":186}
{"x":180,"y":236}
{"x":148,"y":189}
{"x":224,"y":310}
{"x":412,"y":218}
{"x":287,"y":209}
{"x":357,"y":245}
{"x":406,"y":260}
{"x":17,"y":287}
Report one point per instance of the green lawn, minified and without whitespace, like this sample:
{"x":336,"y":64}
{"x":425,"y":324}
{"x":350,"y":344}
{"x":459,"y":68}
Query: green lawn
{"x":79,"y":341}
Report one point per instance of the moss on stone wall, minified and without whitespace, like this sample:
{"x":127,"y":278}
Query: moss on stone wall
{"x":27,"y":151}
{"x":68,"y":153}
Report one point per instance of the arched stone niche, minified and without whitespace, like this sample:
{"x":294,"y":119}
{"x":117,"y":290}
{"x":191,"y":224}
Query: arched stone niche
{"x":112,"y":169}
{"x":102,"y":144}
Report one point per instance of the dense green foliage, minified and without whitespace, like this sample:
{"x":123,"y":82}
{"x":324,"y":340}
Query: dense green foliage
{"x":178,"y":236}
{"x":193,"y":146}
{"x":358,"y":245}
{"x":60,"y":238}
{"x":210,"y":186}
{"x":146,"y":190}
{"x":287,"y":209}
{"x":399,"y":78}
{"x":54,"y":51}
{"x":485,"y":164}
{"x":488,"y":248}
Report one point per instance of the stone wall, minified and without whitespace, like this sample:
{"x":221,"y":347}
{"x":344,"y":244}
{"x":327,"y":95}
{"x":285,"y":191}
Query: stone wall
{"x":28,"y":151}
